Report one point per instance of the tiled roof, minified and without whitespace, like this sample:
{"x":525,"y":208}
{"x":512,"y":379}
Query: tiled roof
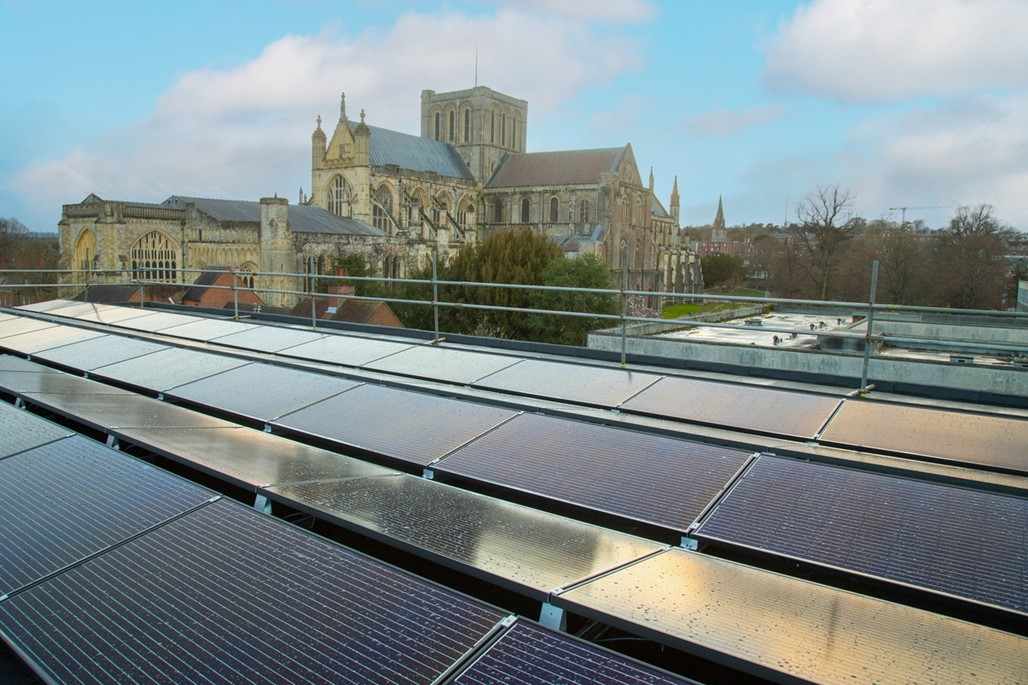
{"x":415,"y":153}
{"x":567,"y":167}
{"x":206,"y":279}
{"x":302,"y":219}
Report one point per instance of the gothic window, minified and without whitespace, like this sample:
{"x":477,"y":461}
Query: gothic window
{"x":465,"y":215}
{"x":245,"y":275}
{"x":525,"y":206}
{"x":453,"y":125}
{"x":583,"y":211}
{"x":503,"y":129}
{"x":498,"y":210}
{"x":382,"y":209}
{"x":438,"y":130}
{"x":516,"y":133}
{"x":339,"y":196}
{"x":467,"y":125}
{"x":492,"y":126}
{"x":554,"y":209}
{"x":85,"y":251}
{"x":155,"y":258}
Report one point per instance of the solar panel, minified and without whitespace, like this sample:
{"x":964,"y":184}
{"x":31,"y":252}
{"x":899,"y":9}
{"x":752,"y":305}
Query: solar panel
{"x":592,"y":385}
{"x":790,"y":630}
{"x":156,"y":321}
{"x":747,"y":407}
{"x":168,"y":368}
{"x":21,"y":430}
{"x":345,"y":350}
{"x":105,"y":411}
{"x":949,"y":539}
{"x":99,"y":351}
{"x":246,"y":457}
{"x":49,"y":381}
{"x":20,"y":364}
{"x":921,"y":431}
{"x":528,"y":654}
{"x":20,"y":325}
{"x":408,"y":426}
{"x":46,"y":306}
{"x":262,"y":391}
{"x":445,"y":364}
{"x":649,"y":478}
{"x":47,"y":338}
{"x":226,"y":595}
{"x":73,"y":310}
{"x":529,"y":550}
{"x":63,"y":501}
{"x":207,"y":329}
{"x":269,"y":338}
{"x":105,"y":313}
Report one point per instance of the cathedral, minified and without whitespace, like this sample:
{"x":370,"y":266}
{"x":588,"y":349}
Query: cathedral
{"x":395,"y":198}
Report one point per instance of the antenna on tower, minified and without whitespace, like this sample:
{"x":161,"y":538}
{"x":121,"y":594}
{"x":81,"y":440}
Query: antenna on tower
{"x":476,"y":59}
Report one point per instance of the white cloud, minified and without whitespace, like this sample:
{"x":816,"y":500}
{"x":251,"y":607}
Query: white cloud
{"x":725,"y":122}
{"x":620,"y":11}
{"x":867,"y":50}
{"x":244,"y":132}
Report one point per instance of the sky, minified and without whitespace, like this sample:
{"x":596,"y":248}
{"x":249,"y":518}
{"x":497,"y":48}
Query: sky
{"x":920,"y":104}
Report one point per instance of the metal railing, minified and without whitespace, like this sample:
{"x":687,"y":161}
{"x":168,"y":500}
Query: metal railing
{"x":78,"y":282}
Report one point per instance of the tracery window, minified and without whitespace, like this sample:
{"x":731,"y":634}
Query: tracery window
{"x":155,"y":258}
{"x":554,"y":209}
{"x":525,"y":207}
{"x":339,"y":196}
{"x":245,"y":275}
{"x":498,"y":210}
{"x":85,"y":251}
{"x":583,"y":211}
{"x":382,"y":209}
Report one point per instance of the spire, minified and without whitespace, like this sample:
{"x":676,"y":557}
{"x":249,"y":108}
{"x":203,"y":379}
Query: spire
{"x":674,"y":194}
{"x":651,"y":179}
{"x":342,"y":107}
{"x":719,"y":234}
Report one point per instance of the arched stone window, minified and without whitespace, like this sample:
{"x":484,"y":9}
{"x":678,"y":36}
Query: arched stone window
{"x":466,"y":214}
{"x":467,"y":125}
{"x":503,"y":129}
{"x":583,"y":211}
{"x":438,"y":124}
{"x":498,"y":210}
{"x":516,"y":133}
{"x":339,"y":196}
{"x":155,"y":258}
{"x":453,"y":126}
{"x":245,"y":274}
{"x":554,"y":209}
{"x":382,"y":209}
{"x":492,"y":126}
{"x":85,"y":250}
{"x":525,"y":207}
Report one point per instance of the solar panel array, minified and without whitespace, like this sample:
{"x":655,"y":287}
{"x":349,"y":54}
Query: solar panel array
{"x":22,"y":430}
{"x":959,"y":541}
{"x":592,"y":385}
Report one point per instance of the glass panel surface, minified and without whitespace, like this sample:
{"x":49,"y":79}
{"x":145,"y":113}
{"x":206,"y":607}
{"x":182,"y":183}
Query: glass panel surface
{"x":269,"y":338}
{"x":207,"y":329}
{"x":21,"y":430}
{"x":107,"y":411}
{"x":167,"y":369}
{"x":345,"y":350}
{"x":99,"y":351}
{"x":592,"y":385}
{"x":445,"y":364}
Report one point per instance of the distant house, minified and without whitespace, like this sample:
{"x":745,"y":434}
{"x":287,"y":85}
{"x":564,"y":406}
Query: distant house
{"x":218,"y":287}
{"x":336,"y":306}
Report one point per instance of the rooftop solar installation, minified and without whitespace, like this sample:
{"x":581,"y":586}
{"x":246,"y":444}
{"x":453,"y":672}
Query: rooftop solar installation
{"x":106,"y":313}
{"x":47,"y":305}
{"x":21,"y":324}
{"x":269,"y":338}
{"x":207,"y":329}
{"x":167,"y":369}
{"x":345,"y":350}
{"x":34,"y":342}
{"x":412,"y":427}
{"x":962,"y":542}
{"x":529,"y":550}
{"x":227,"y":595}
{"x":99,"y":351}
{"x":592,"y":385}
{"x":15,"y":364}
{"x":748,"y":407}
{"x":44,"y":380}
{"x":246,"y":457}
{"x":106,"y":411}
{"x":262,"y":391}
{"x":85,"y":310}
{"x":648,"y":478}
{"x":790,"y":630}
{"x":66,"y":500}
{"x":21,"y":430}
{"x":441,"y":363}
{"x":992,"y":441}
{"x":156,"y":321}
{"x":528,"y":654}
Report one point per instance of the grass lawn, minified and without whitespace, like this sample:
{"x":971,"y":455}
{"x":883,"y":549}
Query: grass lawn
{"x":690,"y":308}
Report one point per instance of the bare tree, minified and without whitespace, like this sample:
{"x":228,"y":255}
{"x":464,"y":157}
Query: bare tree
{"x":970,"y":269}
{"x":826,"y":223}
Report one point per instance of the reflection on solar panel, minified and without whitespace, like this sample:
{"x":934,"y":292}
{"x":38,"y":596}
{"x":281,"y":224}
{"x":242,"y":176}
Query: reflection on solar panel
{"x":63,"y":501}
{"x":226,"y":595}
{"x":20,"y":430}
{"x":74,"y":310}
{"x":747,"y":407}
{"x":19,"y":364}
{"x":21,"y":325}
{"x":99,"y":351}
{"x":591,"y":385}
{"x":246,"y":457}
{"x":647,"y":478}
{"x":516,"y":545}
{"x":206,"y":329}
{"x":262,"y":391}
{"x":50,"y":381}
{"x":404,"y":425}
{"x":269,"y":338}
{"x":168,"y":368}
{"x":530,"y":655}
{"x":104,"y":313}
{"x":46,"y":306}
{"x":962,"y":542}
{"x":105,"y":411}
{"x":971,"y":439}
{"x":791,"y":630}
{"x":349,"y":351}
{"x":445,"y":364}
{"x":156,"y":321}
{"x":47,"y":338}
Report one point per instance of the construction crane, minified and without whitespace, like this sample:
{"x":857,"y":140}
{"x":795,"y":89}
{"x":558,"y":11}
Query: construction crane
{"x":903,"y":220}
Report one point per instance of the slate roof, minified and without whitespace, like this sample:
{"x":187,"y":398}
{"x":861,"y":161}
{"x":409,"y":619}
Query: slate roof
{"x":302,"y":219}
{"x":415,"y":153}
{"x":566,"y":167}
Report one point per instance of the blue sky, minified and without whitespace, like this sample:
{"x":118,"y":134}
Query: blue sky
{"x":916,"y":103}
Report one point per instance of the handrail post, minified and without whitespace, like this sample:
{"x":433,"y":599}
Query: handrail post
{"x":235,"y":294}
{"x":313,"y":289}
{"x":624,"y":303}
{"x":870,"y":323}
{"x":435,"y":293}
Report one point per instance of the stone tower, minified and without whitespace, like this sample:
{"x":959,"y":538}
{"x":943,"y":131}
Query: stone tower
{"x":482,"y":124}
{"x":676,"y":203}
